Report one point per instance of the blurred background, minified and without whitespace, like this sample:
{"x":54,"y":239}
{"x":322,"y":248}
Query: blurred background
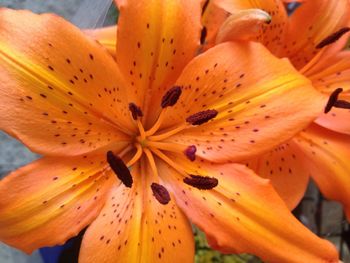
{"x":323,"y":217}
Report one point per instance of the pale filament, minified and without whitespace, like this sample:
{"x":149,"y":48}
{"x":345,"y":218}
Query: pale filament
{"x":169,"y":161}
{"x":141,"y":129}
{"x":158,"y":123}
{"x":171,"y":147}
{"x":152,"y":164}
{"x":127,"y":149}
{"x":167,"y":134}
{"x":137,"y":155}
{"x":312,"y":63}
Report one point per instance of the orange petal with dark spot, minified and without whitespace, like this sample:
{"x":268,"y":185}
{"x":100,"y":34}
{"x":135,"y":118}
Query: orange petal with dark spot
{"x":49,"y":201}
{"x":133,"y":225}
{"x":311,"y":23}
{"x":329,"y":74}
{"x":271,"y":35}
{"x":326,"y":158}
{"x":283,"y":166}
{"x":244,"y":214}
{"x":106,"y":36}
{"x":61,"y":93}
{"x":163,"y":39}
{"x":260,"y":105}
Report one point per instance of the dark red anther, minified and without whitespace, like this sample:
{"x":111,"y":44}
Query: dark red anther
{"x":160,"y":193}
{"x":201,"y":182}
{"x":333,"y":37}
{"x":333,"y":98}
{"x":135,"y":111}
{"x":205,"y":6}
{"x":171,"y":97}
{"x":190,"y":152}
{"x":202,"y":117}
{"x":120,"y":169}
{"x":342,"y":104}
{"x":203,"y":35}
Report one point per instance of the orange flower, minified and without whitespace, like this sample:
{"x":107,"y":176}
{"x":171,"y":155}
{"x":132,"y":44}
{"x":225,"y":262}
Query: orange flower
{"x":136,"y":149}
{"x":309,"y":39}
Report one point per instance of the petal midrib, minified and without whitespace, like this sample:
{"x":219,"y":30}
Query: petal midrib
{"x":29,"y":71}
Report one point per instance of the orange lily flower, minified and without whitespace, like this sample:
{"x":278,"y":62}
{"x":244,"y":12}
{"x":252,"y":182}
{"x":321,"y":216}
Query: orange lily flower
{"x":138,"y":148}
{"x":308,"y":39}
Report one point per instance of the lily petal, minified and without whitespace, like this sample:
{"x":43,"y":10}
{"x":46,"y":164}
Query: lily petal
{"x":212,"y":19}
{"x":311,"y":23}
{"x":244,"y":214}
{"x":260,"y":104}
{"x":273,"y":34}
{"x":284,"y":167}
{"x":327,"y":156}
{"x":60,"y":91}
{"x":163,"y":39}
{"x":329,"y":75}
{"x":243,"y":25}
{"x":49,"y":201}
{"x":106,"y":36}
{"x":133,"y":225}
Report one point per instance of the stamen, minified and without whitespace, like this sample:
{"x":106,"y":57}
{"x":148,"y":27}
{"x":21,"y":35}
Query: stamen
{"x":202,"y":117}
{"x":201,"y":182}
{"x":169,"y":133}
{"x":342,"y":104}
{"x":333,"y":37}
{"x":136,"y":157}
{"x":166,"y":146}
{"x":333,"y":100}
{"x":171,"y":97}
{"x":135,"y":111}
{"x":160,"y":193}
{"x":152,"y":163}
{"x":205,"y":6}
{"x":190,"y":152}
{"x":156,"y":126}
{"x":141,"y":129}
{"x":125,"y":151}
{"x":171,"y":163}
{"x":203,"y":35}
{"x":120,"y":169}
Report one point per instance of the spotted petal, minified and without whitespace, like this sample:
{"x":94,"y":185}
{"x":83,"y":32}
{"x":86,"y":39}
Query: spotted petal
{"x":133,"y":225}
{"x":60,"y":92}
{"x":212,"y":18}
{"x":311,"y":23}
{"x":49,"y":201}
{"x":272,"y":35}
{"x":332,"y":73}
{"x":106,"y":36}
{"x":260,"y":103}
{"x":326,"y":157}
{"x":285,"y":167}
{"x":243,"y":214}
{"x":154,"y":45}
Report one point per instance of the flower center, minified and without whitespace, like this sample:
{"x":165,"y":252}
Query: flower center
{"x":149,"y":143}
